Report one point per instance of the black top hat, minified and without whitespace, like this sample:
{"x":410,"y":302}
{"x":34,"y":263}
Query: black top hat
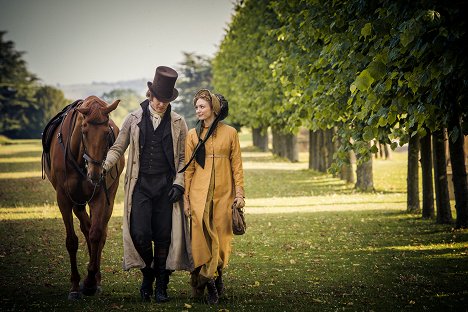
{"x":163,"y":83}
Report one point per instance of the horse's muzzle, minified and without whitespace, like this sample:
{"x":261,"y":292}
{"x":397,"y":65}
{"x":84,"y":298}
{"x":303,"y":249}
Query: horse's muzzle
{"x":95,"y":180}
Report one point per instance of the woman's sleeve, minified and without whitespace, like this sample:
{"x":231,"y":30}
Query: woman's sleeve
{"x":189,"y":147}
{"x":236,"y":161}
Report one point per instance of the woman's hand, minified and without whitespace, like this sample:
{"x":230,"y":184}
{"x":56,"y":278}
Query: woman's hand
{"x":239,"y":201}
{"x":187,"y":208}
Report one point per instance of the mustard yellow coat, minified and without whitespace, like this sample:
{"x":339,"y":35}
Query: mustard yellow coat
{"x":222,"y":152}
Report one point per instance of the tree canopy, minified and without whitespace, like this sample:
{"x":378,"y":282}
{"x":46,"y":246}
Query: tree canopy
{"x":380,"y":70}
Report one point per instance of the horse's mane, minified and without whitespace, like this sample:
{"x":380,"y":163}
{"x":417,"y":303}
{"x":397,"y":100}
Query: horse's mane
{"x":95,"y":106}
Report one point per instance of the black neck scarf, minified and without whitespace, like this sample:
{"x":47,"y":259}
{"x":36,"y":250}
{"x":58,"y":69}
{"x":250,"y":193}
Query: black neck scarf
{"x":199,"y":153}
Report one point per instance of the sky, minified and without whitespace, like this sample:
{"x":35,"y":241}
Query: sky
{"x":84,"y":41}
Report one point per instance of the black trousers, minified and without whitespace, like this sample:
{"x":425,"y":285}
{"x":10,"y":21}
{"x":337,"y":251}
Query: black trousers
{"x":151,"y":218}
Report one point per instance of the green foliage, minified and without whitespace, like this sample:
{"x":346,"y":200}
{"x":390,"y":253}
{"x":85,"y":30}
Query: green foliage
{"x":375,"y":69}
{"x":50,"y":102}
{"x":129,"y":101}
{"x":195,"y":75}
{"x":17,"y":87}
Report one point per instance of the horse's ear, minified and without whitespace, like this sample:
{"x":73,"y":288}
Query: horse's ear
{"x":83,"y":110}
{"x":111,"y":107}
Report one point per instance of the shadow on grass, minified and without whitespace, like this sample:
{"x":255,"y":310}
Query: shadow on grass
{"x":286,"y":183}
{"x":325,"y":261}
{"x":22,"y":154}
{"x":20,"y":166}
{"x":27,"y":192}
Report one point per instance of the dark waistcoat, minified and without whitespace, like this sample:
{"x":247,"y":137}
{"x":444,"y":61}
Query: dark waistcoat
{"x":156,"y":149}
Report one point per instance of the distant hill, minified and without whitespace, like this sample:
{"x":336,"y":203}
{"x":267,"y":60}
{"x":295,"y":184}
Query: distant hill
{"x":81,"y":91}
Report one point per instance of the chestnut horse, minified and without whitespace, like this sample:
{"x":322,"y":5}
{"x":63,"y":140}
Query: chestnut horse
{"x":73,"y":165}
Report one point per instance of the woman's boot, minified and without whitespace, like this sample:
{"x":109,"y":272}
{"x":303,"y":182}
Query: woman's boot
{"x":219,"y":282}
{"x":198,"y":289}
{"x":212,"y":297}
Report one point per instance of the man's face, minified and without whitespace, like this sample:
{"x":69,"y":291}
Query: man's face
{"x":159,"y":106}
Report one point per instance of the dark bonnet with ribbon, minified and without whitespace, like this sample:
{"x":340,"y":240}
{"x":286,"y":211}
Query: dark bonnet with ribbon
{"x":221,"y":109}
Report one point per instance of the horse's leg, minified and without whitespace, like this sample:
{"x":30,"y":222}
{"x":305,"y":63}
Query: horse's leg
{"x":85,"y":222}
{"x":107,"y":213}
{"x":100,"y":215}
{"x":71,"y":243}
{"x":96,"y":231}
{"x":88,"y":288}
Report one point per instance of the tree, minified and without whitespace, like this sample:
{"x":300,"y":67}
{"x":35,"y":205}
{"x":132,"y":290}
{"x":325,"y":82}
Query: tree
{"x":50,"y":101}
{"x":17,"y":88}
{"x":444,"y":212}
{"x":130,"y":101}
{"x":412,"y":180}
{"x":195,"y":75}
{"x":427,"y":178}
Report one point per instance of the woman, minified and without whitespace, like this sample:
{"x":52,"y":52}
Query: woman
{"x":154,"y":232}
{"x":213,"y":183}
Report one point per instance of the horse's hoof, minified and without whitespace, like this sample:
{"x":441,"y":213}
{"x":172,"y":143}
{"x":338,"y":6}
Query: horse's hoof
{"x":88,"y":291}
{"x":74,"y":295}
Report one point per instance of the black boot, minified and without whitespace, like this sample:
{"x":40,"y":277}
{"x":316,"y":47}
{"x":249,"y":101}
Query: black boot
{"x":198,"y":289}
{"x":212,"y":297}
{"x":219,"y":283}
{"x":146,"y":289}
{"x":162,"y":280}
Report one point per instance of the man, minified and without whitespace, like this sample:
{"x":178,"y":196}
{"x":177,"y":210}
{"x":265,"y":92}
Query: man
{"x":153,"y":212}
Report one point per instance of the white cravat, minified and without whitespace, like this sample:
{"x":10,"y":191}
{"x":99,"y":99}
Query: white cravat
{"x":155,"y":117}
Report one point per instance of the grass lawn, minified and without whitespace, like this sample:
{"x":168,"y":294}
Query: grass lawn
{"x":312,"y":244}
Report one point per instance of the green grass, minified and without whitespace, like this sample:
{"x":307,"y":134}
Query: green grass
{"x":312,"y":244}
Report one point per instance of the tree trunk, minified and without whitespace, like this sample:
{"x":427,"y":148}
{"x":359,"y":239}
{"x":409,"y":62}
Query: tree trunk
{"x":444,"y":213}
{"x":460,"y":185}
{"x":312,"y":143}
{"x":285,"y":145}
{"x":365,"y":180}
{"x":381,"y":150}
{"x":412,"y":179}
{"x":348,"y":173}
{"x":388,"y":152}
{"x":291,"y":147}
{"x":323,"y":151}
{"x":427,"y":180}
{"x":317,"y":135}
{"x":332,"y":146}
{"x":278,"y":143}
{"x":260,"y":138}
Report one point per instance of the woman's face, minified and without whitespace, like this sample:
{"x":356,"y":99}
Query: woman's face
{"x":203,"y":110}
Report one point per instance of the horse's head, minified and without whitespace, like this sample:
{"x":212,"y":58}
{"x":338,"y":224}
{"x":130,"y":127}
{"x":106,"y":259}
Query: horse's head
{"x":96,"y":133}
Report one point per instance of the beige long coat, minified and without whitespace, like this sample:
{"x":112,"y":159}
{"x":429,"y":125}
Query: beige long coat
{"x":222,"y":151}
{"x":179,"y":257}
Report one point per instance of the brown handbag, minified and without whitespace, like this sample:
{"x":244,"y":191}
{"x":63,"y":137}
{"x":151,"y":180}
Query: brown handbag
{"x":238,"y":221}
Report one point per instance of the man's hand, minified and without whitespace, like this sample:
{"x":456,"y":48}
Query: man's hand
{"x":176,"y":192}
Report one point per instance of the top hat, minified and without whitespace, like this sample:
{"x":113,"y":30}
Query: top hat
{"x":163,"y":83}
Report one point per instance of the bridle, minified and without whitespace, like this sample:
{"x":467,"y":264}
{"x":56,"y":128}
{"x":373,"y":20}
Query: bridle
{"x":87,"y":158}
{"x":100,"y":163}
